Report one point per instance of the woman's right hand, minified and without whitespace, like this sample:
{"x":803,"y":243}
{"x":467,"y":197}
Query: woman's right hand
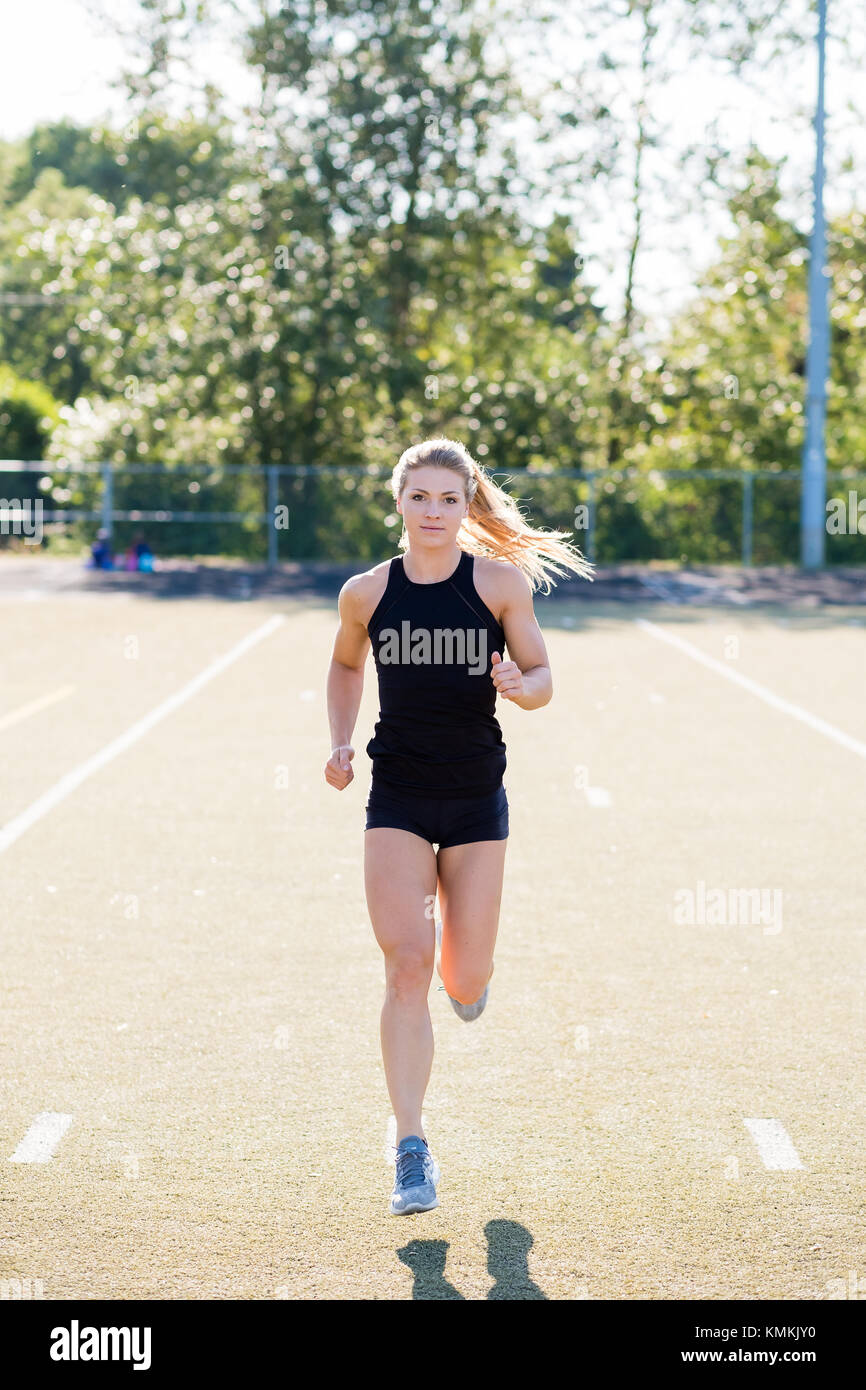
{"x":338,"y":768}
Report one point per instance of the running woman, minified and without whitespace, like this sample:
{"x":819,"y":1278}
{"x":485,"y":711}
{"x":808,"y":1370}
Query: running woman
{"x":439,"y":619}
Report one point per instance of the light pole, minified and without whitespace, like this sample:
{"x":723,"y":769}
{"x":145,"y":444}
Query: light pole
{"x":813,"y":489}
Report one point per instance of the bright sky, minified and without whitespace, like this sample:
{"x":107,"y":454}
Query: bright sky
{"x":59,"y":61}
{"x":54,"y":63}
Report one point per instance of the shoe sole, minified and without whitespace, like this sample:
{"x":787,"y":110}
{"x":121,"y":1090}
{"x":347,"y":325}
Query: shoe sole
{"x":415,"y":1207}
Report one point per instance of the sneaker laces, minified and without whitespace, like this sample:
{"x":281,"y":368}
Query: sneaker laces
{"x":411,"y":1167}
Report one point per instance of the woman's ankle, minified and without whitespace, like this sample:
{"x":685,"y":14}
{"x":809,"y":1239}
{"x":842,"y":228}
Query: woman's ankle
{"x":406,"y":1133}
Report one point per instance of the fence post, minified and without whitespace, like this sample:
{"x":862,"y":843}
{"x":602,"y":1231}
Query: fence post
{"x":590,"y":529}
{"x":273,"y":481}
{"x":748,"y":480}
{"x":108,"y":498}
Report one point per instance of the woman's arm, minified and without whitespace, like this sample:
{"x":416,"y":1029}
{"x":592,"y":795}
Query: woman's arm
{"x":526,"y":679}
{"x":345,"y":683}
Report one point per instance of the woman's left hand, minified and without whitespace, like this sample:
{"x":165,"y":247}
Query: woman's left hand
{"x":507,"y":677}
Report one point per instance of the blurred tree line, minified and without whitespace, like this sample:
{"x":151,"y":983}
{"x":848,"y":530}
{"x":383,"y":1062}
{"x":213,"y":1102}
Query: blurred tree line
{"x":359,"y":264}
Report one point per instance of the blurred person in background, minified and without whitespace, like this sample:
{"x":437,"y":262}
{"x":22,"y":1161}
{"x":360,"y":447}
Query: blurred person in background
{"x":100,"y":552}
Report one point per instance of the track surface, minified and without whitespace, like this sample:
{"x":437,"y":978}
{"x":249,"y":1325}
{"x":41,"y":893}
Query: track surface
{"x":190,"y":977}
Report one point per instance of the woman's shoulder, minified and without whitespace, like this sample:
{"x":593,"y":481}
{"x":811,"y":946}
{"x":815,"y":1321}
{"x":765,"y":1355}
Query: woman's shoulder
{"x":365,"y":589}
{"x":498,"y":583}
{"x":503,"y":575}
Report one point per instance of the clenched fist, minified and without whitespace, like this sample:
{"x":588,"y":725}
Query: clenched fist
{"x":507,"y":677}
{"x":338,"y":768}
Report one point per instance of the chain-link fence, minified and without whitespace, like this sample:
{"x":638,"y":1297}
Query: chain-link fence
{"x":284,"y":512}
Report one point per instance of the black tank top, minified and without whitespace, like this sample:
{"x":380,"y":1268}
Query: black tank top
{"x":437,"y":733}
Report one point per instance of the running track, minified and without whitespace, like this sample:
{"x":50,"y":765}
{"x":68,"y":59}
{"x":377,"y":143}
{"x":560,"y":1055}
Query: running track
{"x":193,"y":1101}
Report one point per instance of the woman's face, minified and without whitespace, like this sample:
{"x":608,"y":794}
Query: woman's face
{"x":433,"y":505}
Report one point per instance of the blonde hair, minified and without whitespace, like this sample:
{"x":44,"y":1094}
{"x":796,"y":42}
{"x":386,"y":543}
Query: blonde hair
{"x":494,"y":526}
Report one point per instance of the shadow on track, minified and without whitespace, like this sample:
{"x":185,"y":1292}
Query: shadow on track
{"x":508,"y":1245}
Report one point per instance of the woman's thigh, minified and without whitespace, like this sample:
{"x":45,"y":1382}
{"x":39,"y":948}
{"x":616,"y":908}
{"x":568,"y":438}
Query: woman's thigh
{"x":470,"y":894}
{"x":400,"y":884}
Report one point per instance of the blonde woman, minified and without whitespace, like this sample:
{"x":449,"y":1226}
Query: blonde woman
{"x":439,"y":619}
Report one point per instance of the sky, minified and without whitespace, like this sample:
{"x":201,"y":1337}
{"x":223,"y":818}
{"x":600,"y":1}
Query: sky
{"x":59,"y":61}
{"x":55,"y":63}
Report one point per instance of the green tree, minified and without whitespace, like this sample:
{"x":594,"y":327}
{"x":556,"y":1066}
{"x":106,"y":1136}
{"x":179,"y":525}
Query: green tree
{"x":154,"y":157}
{"x":28,"y":414}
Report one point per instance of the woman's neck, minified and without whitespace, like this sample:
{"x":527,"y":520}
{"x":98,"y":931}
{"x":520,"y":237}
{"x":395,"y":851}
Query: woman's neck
{"x":431,"y":568}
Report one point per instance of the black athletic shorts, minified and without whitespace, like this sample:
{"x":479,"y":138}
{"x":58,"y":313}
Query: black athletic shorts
{"x":458,"y":820}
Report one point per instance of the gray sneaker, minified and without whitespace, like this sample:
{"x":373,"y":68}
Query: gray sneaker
{"x":417,"y":1173}
{"x":468,"y":1012}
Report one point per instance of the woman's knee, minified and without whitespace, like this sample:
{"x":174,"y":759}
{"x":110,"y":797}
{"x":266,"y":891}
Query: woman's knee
{"x":408,"y":971}
{"x":465,"y":980}
{"x":465,"y":987}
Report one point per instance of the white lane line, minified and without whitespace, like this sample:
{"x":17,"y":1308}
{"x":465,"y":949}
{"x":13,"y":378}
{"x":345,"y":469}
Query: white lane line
{"x":773,"y":1143}
{"x":16,"y":715}
{"x":819,"y":725}
{"x":597,"y":796}
{"x":15,"y":828}
{"x":42,"y":1138}
{"x":391,"y":1138}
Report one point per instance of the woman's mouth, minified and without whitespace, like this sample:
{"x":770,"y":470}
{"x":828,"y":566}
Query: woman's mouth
{"x":432,"y":528}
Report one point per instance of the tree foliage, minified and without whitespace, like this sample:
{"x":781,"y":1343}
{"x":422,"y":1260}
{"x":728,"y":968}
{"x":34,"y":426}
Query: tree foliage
{"x":359,"y":264}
